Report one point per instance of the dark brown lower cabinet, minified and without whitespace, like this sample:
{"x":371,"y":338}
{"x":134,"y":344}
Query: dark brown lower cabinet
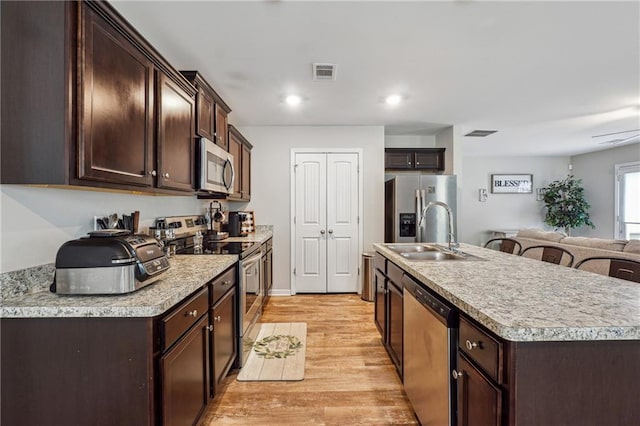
{"x":479,"y":400}
{"x":185,"y":377}
{"x":395,"y":324}
{"x":223,"y":347}
{"x":380,"y":308}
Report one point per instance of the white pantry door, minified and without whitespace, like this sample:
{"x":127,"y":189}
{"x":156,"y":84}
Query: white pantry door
{"x":326,"y":222}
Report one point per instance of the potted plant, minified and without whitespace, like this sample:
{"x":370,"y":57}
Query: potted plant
{"x":566,"y":205}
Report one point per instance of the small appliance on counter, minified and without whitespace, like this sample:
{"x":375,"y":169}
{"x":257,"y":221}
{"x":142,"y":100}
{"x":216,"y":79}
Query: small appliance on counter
{"x":235,"y":224}
{"x":108,"y":262}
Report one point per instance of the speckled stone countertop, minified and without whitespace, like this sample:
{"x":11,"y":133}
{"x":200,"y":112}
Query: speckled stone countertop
{"x":527,"y":300}
{"x":262,"y":234}
{"x":186,"y":275}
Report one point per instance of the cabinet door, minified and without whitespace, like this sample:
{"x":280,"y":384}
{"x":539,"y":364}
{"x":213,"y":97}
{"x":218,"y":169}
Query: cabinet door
{"x":479,"y":400}
{"x":235,"y":149}
{"x":115,"y":107}
{"x":380,"y":308}
{"x":429,"y":160}
{"x":205,"y":107}
{"x":246,"y":173}
{"x":394,"y":324}
{"x":176,"y":144}
{"x":223,"y":319}
{"x":221,"y":128}
{"x":185,"y":377}
{"x":398,"y":160}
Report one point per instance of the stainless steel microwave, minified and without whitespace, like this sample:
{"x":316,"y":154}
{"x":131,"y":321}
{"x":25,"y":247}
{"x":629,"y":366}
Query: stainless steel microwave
{"x":215,"y":168}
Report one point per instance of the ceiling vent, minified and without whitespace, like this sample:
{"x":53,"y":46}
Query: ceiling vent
{"x":324,"y":71}
{"x":481,"y":133}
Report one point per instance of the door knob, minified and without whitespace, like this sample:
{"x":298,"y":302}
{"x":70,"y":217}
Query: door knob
{"x":322,"y":231}
{"x":331,"y":231}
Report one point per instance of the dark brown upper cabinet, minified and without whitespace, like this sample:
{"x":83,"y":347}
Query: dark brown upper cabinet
{"x":80,"y":105}
{"x":414,"y":159}
{"x":212,"y":111}
{"x":175,"y":140}
{"x":240,"y":148}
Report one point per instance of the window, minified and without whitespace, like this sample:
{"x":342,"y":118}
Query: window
{"x":628,"y":200}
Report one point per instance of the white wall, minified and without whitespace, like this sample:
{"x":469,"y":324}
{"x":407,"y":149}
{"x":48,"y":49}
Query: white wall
{"x":409,"y":141}
{"x":36,"y":221}
{"x":596,"y":169}
{"x":503,"y":211}
{"x":270,"y":170}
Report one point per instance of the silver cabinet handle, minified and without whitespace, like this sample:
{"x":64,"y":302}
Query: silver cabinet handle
{"x":166,"y":175}
{"x":457,"y":374}
{"x":152,"y":173}
{"x":193,"y":313}
{"x":227,"y":282}
{"x":322,"y":231}
{"x":470,"y":345}
{"x":217,"y":318}
{"x":210,"y":328}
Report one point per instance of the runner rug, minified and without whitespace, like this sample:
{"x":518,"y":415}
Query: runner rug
{"x":277,"y":354}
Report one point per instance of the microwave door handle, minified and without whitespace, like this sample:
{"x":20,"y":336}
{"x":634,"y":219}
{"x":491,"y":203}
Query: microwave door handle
{"x":227,"y":163}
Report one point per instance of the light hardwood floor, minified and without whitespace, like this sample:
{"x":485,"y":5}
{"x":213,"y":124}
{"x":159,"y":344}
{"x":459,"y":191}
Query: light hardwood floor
{"x":349,"y":378}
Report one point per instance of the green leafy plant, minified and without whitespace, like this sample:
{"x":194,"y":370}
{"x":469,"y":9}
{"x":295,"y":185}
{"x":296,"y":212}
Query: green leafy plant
{"x":566,"y":206}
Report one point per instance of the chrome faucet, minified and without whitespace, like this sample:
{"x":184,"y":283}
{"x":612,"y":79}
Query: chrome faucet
{"x":453,"y":246}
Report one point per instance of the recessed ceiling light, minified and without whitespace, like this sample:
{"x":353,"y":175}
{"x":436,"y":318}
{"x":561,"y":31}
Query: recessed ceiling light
{"x":393,"y":100}
{"x":293,"y":100}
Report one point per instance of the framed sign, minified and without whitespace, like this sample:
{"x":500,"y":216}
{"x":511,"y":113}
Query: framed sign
{"x":511,"y":184}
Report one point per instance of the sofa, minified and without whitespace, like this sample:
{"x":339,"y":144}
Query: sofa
{"x":580,"y":247}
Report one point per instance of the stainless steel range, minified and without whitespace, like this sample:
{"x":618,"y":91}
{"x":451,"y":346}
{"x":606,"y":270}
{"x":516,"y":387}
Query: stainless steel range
{"x":249,"y":272}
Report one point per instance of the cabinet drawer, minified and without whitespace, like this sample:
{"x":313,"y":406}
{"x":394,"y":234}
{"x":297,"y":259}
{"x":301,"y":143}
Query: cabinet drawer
{"x":184,"y":316}
{"x":222,"y":284}
{"x":395,"y":274}
{"x":379,"y":262}
{"x":481,"y":348}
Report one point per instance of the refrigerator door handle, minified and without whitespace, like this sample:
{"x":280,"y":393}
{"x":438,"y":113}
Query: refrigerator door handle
{"x":418,"y":205}
{"x":423,"y":204}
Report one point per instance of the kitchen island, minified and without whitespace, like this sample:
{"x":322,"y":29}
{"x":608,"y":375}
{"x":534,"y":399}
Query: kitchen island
{"x":548,"y":345}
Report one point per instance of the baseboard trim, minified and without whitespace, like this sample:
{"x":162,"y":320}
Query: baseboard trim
{"x":280,"y":292}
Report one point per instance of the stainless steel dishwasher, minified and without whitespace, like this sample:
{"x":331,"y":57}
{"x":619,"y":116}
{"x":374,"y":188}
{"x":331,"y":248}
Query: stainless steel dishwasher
{"x":430,"y":336}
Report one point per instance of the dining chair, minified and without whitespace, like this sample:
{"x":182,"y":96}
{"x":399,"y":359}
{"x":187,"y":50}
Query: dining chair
{"x":551,"y":254}
{"x":625,"y":269}
{"x":506,"y":245}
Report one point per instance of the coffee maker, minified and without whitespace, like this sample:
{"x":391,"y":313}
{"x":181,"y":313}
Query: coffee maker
{"x":235,"y":224}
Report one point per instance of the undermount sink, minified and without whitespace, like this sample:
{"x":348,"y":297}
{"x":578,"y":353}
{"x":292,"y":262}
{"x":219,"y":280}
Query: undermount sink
{"x":428,"y":252}
{"x":411,"y":248}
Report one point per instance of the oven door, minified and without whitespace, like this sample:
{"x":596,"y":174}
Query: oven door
{"x":216,"y":173}
{"x":251,"y":297}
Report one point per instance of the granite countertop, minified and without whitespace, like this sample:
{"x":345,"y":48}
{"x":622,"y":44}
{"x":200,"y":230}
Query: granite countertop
{"x":261,"y":235}
{"x":186,"y":275}
{"x":526,"y":300}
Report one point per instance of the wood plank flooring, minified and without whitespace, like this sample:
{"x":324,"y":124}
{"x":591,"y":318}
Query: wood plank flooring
{"x":349,"y":378}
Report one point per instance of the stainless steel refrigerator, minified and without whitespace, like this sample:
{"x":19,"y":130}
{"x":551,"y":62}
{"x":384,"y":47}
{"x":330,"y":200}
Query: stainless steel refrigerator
{"x":406,"y":196}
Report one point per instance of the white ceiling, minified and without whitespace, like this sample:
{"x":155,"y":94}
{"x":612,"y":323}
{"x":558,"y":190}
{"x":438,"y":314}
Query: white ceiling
{"x":547,"y":75}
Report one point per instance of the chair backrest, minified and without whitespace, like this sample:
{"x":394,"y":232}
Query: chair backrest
{"x":551,"y":254}
{"x":625,"y":269}
{"x":506,"y":245}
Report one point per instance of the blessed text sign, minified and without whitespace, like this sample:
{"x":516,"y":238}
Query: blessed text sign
{"x":512,"y":184}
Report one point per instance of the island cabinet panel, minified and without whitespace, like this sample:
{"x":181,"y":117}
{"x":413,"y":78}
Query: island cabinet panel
{"x":77,"y":371}
{"x":388,"y":310}
{"x":574,"y":383}
{"x":116,"y":117}
{"x":479,"y":400}
{"x":176,"y":144}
